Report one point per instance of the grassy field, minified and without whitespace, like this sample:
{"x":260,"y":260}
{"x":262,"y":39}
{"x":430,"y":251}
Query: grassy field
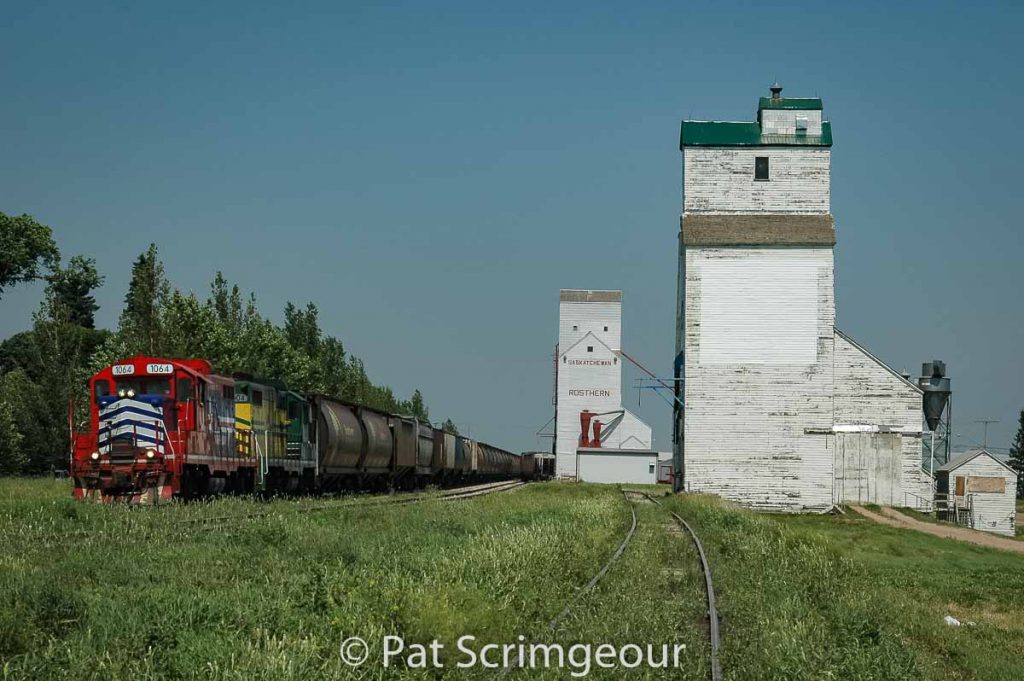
{"x":112,"y":592}
{"x":841,"y":597}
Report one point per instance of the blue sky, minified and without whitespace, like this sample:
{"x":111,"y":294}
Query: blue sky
{"x":430,"y":174}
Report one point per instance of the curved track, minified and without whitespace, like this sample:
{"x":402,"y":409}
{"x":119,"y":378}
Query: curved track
{"x":714,"y":632}
{"x":589,"y":586}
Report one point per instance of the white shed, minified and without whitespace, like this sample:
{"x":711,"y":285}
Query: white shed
{"x":632,"y":466}
{"x":981,"y":488}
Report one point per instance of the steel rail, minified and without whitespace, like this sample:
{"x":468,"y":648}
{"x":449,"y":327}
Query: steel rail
{"x":713,"y":626}
{"x":374,"y":501}
{"x":592,"y":583}
{"x":368,"y":501}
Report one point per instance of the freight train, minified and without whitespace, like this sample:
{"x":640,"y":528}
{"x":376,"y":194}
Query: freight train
{"x":161,"y":428}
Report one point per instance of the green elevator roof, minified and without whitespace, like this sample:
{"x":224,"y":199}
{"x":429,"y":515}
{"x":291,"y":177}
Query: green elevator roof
{"x":727,"y":134}
{"x":805,"y":103}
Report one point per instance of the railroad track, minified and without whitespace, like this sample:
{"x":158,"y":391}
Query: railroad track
{"x":589,"y":586}
{"x":362,"y":501}
{"x":714,"y":632}
{"x":374,"y":501}
{"x":632,"y":497}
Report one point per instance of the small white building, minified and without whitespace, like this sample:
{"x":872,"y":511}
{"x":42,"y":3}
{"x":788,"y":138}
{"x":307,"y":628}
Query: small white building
{"x":588,"y":378}
{"x":981,"y":488}
{"x":630,"y":466}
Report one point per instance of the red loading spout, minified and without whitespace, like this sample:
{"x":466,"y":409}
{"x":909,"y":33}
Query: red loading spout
{"x":585,"y":417}
{"x":597,"y":434}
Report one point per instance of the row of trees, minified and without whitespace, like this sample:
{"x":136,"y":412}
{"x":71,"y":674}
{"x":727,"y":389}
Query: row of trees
{"x":46,"y":367}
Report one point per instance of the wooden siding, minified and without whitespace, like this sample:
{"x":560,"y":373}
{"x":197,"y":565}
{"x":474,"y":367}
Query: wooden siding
{"x":630,"y":433}
{"x":992,"y":511}
{"x":783,"y":121}
{"x":746,"y":421}
{"x":867,"y":469}
{"x":721,"y":180}
{"x":869,"y":393}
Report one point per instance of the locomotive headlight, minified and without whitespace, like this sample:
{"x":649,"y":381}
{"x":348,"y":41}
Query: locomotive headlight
{"x":150,"y":453}
{"x":131,"y":393}
{"x":120,"y":393}
{"x":95,"y":456}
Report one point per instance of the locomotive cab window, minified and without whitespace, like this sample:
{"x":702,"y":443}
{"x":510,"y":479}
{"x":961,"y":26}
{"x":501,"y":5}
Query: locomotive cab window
{"x":229,"y":393}
{"x":145,"y":386}
{"x":100,"y":389}
{"x":761,"y":168}
{"x":257,"y":398}
{"x":184,"y":389}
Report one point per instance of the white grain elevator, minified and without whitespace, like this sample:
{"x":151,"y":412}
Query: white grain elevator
{"x":588,"y":379}
{"x":769,"y":389}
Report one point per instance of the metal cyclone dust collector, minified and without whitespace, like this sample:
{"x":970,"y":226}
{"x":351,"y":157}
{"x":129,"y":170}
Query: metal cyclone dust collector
{"x":936,"y":389}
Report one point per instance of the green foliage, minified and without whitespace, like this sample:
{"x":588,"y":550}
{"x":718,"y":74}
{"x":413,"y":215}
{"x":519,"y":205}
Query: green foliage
{"x":140,"y":327}
{"x":31,"y":416}
{"x":12,"y":457}
{"x":1017,"y":455}
{"x":449,"y":427}
{"x":44,"y":369}
{"x":71,"y":288}
{"x":26,"y":247}
{"x":41,"y":371}
{"x":162,"y":321}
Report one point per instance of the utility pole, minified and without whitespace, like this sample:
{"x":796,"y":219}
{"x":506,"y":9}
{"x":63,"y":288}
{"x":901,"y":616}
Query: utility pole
{"x":986,"y":422}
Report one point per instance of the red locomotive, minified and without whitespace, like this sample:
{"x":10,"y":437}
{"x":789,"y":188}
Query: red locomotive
{"x":152,"y":420}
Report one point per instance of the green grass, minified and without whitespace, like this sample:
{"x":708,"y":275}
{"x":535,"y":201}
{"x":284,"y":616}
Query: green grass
{"x":90,"y":591}
{"x":811,"y":597}
{"x":110,"y":592}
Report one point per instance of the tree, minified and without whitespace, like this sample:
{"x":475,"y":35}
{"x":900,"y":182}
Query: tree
{"x":418,"y":407}
{"x":1017,"y":455}
{"x":12,"y":458}
{"x":26,"y":247}
{"x":449,"y":427}
{"x":72,"y":287}
{"x":302,"y":327}
{"x":35,"y":439}
{"x":148,"y":292}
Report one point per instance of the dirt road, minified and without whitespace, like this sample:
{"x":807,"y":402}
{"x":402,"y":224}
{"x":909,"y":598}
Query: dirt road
{"x":894,"y":518}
